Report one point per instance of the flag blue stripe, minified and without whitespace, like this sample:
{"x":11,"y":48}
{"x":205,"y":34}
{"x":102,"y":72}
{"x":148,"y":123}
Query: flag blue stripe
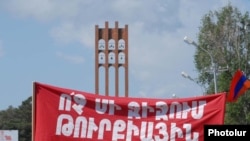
{"x":239,"y":85}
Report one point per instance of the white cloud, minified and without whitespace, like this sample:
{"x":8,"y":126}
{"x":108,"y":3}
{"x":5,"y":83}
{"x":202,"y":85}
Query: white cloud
{"x":71,"y":58}
{"x":69,"y":32}
{"x":44,"y":10}
{"x":156,"y":30}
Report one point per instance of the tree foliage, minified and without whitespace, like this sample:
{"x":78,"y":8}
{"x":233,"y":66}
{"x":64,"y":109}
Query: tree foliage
{"x":226,"y":35}
{"x":18,"y":119}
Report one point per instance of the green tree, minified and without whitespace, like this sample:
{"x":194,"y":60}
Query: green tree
{"x":8,"y":120}
{"x":24,"y":114}
{"x":225,"y":34}
{"x":18,"y":119}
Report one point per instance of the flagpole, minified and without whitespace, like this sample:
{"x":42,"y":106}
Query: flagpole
{"x":33,"y":112}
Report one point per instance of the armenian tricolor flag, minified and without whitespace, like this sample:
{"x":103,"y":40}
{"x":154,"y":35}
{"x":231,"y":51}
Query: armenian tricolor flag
{"x":239,"y":85}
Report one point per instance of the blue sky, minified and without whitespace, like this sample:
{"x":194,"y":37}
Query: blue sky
{"x":52,"y":41}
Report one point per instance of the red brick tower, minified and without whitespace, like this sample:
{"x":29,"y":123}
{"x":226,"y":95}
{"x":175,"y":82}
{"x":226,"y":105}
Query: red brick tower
{"x":111,"y":50}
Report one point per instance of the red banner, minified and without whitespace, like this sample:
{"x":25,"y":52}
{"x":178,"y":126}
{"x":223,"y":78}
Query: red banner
{"x":61,"y":114}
